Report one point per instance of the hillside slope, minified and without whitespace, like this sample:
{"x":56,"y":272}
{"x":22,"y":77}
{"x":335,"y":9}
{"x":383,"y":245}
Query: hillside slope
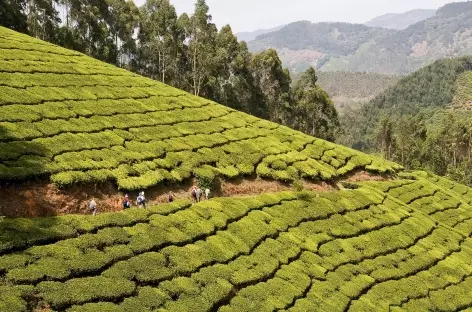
{"x":77,"y":120}
{"x":347,"y":47}
{"x":401,"y":21}
{"x":350,"y":90}
{"x":462,"y":100}
{"x":303,"y":44}
{"x":433,"y":87}
{"x":402,"y":245}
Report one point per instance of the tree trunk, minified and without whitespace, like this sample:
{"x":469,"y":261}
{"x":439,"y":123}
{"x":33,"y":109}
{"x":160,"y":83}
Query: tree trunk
{"x":195,"y":72}
{"x":403,"y":153}
{"x":67,"y":15}
{"x":163,"y":68}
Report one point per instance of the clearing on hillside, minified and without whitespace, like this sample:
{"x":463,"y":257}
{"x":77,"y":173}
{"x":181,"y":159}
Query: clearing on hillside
{"x":462,"y":97}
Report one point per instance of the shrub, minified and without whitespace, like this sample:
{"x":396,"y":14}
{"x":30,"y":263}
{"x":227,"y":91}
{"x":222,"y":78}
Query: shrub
{"x":83,"y":290}
{"x":147,"y":299}
{"x":97,"y":307}
{"x":205,"y":176}
{"x":12,"y":298}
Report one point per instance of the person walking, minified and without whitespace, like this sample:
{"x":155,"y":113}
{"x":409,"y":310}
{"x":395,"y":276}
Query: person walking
{"x":141,"y":200}
{"x":207,"y":193}
{"x":126,"y":202}
{"x":171,"y":197}
{"x":93,"y":206}
{"x":199,"y":194}
{"x":194,"y":194}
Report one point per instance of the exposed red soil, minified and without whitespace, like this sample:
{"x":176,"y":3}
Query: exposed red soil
{"x":40,"y":199}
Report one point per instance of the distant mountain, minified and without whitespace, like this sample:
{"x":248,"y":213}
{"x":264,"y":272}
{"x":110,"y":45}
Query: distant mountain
{"x":303,"y":44}
{"x":359,"y":48}
{"x":401,"y":20}
{"x":252,"y":35}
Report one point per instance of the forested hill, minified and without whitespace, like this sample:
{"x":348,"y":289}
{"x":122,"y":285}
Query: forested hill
{"x":422,"y":121}
{"x":348,"y":47}
{"x":302,"y":44}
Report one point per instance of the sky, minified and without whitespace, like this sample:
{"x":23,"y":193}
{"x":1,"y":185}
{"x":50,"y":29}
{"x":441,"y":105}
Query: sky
{"x":250,"y":15}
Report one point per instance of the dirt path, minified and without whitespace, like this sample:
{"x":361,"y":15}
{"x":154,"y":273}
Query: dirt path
{"x":41,"y":199}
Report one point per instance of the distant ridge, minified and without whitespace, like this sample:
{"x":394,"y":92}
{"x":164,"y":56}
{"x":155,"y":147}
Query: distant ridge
{"x":401,"y":21}
{"x":360,"y":48}
{"x":252,"y":35}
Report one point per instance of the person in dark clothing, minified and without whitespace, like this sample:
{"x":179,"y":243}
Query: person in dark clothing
{"x":126,"y":202}
{"x":194,"y":194}
{"x":171,"y":197}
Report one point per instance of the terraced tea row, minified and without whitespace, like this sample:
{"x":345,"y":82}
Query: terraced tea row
{"x":354,"y":250}
{"x":75,"y":120}
{"x":443,"y":200}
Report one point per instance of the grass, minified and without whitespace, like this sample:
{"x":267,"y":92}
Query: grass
{"x":74,"y":120}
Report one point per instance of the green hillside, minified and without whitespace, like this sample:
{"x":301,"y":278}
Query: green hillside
{"x":433,"y":87}
{"x":399,"y":244}
{"x":422,"y":122}
{"x":76,"y":120}
{"x":358,"y":48}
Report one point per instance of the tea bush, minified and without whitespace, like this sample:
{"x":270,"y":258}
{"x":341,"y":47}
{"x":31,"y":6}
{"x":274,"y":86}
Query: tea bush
{"x":78,"y":121}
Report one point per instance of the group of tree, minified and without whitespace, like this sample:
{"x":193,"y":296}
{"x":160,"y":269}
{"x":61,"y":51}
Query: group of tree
{"x":186,"y":51}
{"x":414,"y":123}
{"x":440,"y":142}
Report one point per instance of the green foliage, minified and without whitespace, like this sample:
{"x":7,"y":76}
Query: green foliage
{"x":12,"y":15}
{"x":411,"y":126}
{"x":115,"y":126}
{"x":381,"y":243}
{"x":315,"y":111}
{"x":298,"y":185}
{"x":78,"y":291}
{"x":429,"y":88}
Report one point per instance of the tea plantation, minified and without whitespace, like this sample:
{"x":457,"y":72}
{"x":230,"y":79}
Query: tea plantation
{"x":74,"y":119}
{"x":378,"y":247}
{"x":399,"y":245}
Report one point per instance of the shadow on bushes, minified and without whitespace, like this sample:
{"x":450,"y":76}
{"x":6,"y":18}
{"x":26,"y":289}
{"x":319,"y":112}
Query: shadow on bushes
{"x":21,"y":162}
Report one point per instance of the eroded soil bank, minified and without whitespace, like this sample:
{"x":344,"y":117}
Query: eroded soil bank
{"x":41,"y":199}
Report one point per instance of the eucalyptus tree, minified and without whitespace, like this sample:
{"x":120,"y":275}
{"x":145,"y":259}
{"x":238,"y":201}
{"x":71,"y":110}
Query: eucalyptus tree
{"x":314,"y":111}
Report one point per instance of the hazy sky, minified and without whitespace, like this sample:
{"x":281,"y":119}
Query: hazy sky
{"x":249,"y":15}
